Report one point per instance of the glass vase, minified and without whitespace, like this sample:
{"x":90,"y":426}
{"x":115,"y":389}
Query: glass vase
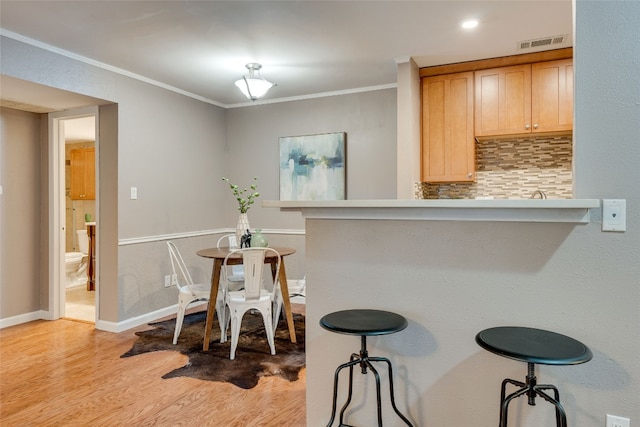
{"x":259,"y":240}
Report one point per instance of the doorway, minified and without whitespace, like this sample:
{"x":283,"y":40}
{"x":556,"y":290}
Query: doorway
{"x":73,"y":212}
{"x":80,"y":216}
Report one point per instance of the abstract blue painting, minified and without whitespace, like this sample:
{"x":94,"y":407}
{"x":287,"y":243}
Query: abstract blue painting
{"x":312,"y":167}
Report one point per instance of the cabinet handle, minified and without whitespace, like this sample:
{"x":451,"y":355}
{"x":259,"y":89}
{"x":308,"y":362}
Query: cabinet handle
{"x":535,"y":126}
{"x":469,"y":175}
{"x":527,"y":127}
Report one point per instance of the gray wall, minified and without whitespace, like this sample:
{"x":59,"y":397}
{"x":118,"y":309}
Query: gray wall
{"x":369,"y":119}
{"x":175,"y":150}
{"x":452,"y":279}
{"x":188,"y":172}
{"x":20,"y":167}
{"x":169,"y":146}
{"x":172,"y":149}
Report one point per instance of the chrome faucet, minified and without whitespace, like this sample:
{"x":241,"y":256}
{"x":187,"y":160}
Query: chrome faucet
{"x":538,"y":193}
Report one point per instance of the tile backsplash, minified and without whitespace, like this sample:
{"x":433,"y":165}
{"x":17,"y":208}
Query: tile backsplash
{"x":513,"y":168}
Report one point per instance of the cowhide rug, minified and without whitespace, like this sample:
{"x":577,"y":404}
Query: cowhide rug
{"x":253,"y":358}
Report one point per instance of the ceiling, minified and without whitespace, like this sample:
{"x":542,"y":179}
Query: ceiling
{"x":307,"y":47}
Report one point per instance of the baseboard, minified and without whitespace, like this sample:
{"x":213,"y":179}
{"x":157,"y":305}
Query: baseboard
{"x":24,"y":318}
{"x":117,"y":327}
{"x":103,"y":325}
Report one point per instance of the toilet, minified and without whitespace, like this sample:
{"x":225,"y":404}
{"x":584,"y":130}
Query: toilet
{"x":76,"y":262}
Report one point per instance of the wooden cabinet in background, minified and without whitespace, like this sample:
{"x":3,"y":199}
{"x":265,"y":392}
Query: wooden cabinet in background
{"x":552,"y":96}
{"x":83,"y":173}
{"x":531,"y":98}
{"x":448,"y":144}
{"x":503,"y":100}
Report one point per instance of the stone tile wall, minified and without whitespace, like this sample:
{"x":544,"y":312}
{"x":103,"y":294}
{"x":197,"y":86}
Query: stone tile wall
{"x":513,"y":168}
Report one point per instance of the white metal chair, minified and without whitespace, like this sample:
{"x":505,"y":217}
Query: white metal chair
{"x":189,"y":292}
{"x":236,"y":274}
{"x":297,"y":294}
{"x":254,"y":295}
{"x":232,"y":241}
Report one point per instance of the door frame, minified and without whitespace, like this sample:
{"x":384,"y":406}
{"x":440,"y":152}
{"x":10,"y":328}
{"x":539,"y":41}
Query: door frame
{"x":57,"y":204}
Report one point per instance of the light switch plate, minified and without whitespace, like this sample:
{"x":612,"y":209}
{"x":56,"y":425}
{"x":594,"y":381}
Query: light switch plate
{"x":134,"y":193}
{"x":614,"y":421}
{"x":614,"y":215}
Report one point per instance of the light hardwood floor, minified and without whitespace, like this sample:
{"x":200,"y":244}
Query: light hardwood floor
{"x":66,"y":373}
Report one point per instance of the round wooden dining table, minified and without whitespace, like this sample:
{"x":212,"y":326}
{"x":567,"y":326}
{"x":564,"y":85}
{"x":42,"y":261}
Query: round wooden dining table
{"x":218,"y":255}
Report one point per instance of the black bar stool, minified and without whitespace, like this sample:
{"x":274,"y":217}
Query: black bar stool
{"x":533,"y":346}
{"x":363,"y":323}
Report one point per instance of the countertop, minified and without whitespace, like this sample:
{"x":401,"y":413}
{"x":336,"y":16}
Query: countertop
{"x":518,"y":210}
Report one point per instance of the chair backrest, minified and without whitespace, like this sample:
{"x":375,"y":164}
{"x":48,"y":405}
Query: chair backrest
{"x":178,"y":266}
{"x":253,"y":265}
{"x":232,"y":241}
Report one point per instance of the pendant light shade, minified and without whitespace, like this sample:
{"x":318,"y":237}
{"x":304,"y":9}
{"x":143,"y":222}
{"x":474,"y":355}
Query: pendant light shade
{"x":254,"y":86}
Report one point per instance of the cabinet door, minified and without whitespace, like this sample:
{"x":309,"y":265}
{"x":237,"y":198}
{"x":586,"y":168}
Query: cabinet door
{"x":448,"y":145}
{"x":83,"y":177}
{"x":503,"y":101}
{"x":90,"y":174}
{"x":552,"y":96}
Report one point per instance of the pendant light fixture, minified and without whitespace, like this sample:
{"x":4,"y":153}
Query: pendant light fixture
{"x":254,"y":86}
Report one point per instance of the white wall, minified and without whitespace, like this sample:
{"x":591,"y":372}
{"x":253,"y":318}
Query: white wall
{"x":453,"y":279}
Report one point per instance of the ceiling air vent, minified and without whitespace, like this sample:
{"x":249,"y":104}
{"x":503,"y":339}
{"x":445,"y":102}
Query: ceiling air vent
{"x":542,"y":42}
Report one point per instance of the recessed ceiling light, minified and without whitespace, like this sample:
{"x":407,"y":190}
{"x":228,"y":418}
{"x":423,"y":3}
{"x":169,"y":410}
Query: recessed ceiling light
{"x":469,"y":23}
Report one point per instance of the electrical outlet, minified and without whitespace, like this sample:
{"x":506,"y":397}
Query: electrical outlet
{"x":167,"y":281}
{"x":615,"y":421}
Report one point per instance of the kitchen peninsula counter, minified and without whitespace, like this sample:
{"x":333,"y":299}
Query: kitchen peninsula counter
{"x":509,"y":210}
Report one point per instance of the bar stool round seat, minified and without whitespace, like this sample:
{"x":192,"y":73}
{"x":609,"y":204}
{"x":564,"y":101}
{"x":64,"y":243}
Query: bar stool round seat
{"x":363,"y":323}
{"x":533,"y":346}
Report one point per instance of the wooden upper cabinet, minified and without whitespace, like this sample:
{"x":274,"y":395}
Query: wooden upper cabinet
{"x":503,"y":100}
{"x":83,"y":173}
{"x":448,"y":144}
{"x":527,"y":98}
{"x":552,"y":96}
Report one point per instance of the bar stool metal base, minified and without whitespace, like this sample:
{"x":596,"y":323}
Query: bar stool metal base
{"x":364,"y":360}
{"x":533,"y":346}
{"x":532,"y":389}
{"x":363,"y":323}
